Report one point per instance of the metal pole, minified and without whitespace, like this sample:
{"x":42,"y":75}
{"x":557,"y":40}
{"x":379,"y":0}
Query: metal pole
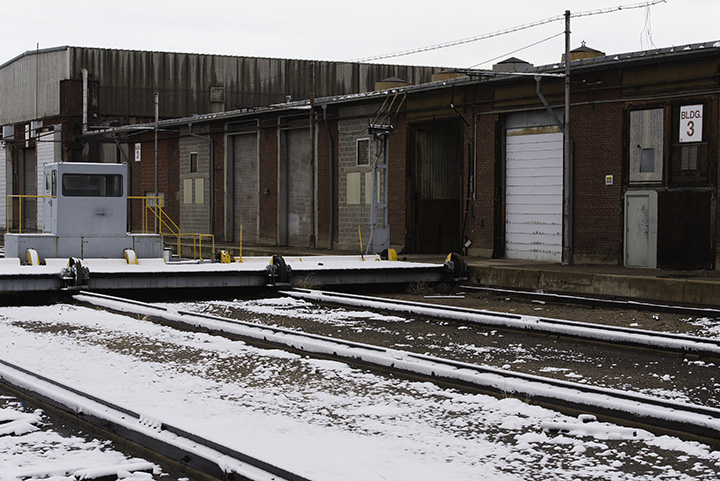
{"x":313,"y":193}
{"x":567,"y":251}
{"x":157,"y":113}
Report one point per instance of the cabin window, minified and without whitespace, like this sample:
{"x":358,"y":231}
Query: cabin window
{"x":92,"y":185}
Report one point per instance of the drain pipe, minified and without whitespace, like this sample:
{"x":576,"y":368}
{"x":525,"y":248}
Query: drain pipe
{"x":544,"y":101}
{"x":84,"y":101}
{"x":212,"y":175}
{"x":332,"y":177}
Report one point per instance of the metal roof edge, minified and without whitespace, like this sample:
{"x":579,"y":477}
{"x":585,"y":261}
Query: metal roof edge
{"x":29,"y":53}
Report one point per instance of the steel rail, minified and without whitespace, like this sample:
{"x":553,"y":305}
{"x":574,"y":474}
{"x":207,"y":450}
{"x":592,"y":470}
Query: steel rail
{"x":617,"y":335}
{"x":199,"y":454}
{"x":599,"y":301}
{"x":683,"y":419}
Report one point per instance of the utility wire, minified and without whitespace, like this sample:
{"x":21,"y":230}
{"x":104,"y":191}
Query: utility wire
{"x":507,"y":31}
{"x":519,"y":49}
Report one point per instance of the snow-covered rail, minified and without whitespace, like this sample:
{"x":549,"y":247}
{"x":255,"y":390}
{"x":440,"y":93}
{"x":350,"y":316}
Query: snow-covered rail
{"x":663,"y":341}
{"x":204,"y":457}
{"x":689,"y":420}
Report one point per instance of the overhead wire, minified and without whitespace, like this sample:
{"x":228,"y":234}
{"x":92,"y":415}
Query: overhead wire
{"x":506,"y":31}
{"x":519,"y":49}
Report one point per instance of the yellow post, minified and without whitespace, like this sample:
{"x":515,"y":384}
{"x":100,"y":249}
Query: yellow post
{"x":361,"y":245}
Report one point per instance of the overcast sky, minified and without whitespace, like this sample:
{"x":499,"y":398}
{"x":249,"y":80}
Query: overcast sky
{"x":334,"y":30}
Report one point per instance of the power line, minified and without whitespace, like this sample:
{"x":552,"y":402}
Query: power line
{"x":507,"y":31}
{"x":519,"y":49}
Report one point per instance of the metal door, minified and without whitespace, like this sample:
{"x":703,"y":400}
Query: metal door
{"x":534,"y":194}
{"x":246,"y":188}
{"x":295,"y":201}
{"x":641,"y":229}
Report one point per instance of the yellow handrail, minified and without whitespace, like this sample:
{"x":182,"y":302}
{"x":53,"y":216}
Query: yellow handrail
{"x":20,"y":196}
{"x":163,"y":220}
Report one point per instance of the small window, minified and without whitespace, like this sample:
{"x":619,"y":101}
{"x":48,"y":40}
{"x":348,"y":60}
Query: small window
{"x":193,"y":162}
{"x":92,"y":185}
{"x":363,"y":151}
{"x":647,"y":160}
{"x":151,"y":199}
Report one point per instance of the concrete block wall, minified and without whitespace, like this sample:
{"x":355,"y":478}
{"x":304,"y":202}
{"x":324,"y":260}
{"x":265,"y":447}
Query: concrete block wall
{"x":353,"y":125}
{"x":194,"y":205}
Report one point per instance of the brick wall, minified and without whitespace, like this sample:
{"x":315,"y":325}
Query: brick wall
{"x":598,"y":133}
{"x":481,"y":216}
{"x":268,"y":158}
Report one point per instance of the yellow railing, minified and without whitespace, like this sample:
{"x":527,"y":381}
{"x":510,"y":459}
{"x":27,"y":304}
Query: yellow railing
{"x":20,"y":203}
{"x":152,"y":211}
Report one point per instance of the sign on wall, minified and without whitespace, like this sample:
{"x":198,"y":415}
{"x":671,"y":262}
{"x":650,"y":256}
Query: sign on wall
{"x":691,"y":120}
{"x":138,"y":152}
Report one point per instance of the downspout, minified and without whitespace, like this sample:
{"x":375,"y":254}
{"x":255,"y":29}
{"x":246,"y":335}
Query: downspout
{"x":212,"y":176}
{"x":332,"y":177}
{"x":84,"y":101}
{"x":544,"y":101}
{"x":568,"y":160}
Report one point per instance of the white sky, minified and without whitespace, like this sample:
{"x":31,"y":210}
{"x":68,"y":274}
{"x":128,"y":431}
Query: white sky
{"x":331,"y":30}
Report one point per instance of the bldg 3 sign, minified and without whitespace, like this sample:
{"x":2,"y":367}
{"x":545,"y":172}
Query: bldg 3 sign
{"x":691,"y":123}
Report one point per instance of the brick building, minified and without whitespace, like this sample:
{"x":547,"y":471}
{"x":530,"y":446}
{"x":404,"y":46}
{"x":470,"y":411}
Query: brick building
{"x":475,"y":163}
{"x":50,"y":98}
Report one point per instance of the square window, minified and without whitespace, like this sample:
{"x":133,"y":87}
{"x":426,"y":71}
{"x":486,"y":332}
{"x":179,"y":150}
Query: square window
{"x":363,"y":151}
{"x":647,"y":160}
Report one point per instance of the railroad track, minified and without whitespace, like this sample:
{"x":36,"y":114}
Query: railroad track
{"x":616,"y":335}
{"x":686,"y":420}
{"x":205,"y":459}
{"x":597,"y":301}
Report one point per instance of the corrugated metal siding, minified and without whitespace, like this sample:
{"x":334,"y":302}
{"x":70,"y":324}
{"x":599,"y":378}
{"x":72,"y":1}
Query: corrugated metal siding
{"x":533,"y":196}
{"x":128,"y":80}
{"x":438,"y":145}
{"x":436,"y":208}
{"x":19,"y":79}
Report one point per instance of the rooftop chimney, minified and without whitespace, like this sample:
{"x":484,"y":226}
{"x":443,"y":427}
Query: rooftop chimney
{"x":583,"y":52}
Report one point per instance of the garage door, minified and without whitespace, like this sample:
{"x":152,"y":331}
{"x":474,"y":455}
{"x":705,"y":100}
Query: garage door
{"x":534,"y":194}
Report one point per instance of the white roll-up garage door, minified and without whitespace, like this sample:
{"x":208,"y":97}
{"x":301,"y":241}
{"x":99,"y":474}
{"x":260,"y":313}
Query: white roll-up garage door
{"x":534,"y":194}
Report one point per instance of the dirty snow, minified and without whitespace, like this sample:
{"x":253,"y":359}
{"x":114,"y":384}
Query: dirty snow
{"x":323,"y":419}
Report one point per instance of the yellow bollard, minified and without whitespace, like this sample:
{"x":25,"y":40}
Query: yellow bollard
{"x":361,"y":245}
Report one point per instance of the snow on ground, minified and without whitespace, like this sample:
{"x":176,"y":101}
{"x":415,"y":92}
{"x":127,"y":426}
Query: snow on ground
{"x":28,"y":450}
{"x":326,"y":420}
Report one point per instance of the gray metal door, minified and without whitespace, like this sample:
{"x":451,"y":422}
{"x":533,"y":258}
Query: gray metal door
{"x":641,"y":229}
{"x":246,"y":188}
{"x":295,"y":219}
